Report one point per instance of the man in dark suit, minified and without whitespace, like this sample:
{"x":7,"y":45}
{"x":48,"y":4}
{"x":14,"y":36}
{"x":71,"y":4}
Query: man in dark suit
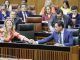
{"x":16,"y":19}
{"x":4,"y":13}
{"x":24,"y":13}
{"x":61,"y":36}
{"x":59,"y":16}
{"x":74,"y":17}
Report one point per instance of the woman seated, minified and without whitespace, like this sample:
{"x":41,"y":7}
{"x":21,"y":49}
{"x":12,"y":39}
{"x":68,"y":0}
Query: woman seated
{"x":48,"y":3}
{"x":8,"y":32}
{"x":47,"y":14}
{"x":66,"y":8}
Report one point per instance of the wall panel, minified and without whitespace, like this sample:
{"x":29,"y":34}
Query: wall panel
{"x":40,"y":3}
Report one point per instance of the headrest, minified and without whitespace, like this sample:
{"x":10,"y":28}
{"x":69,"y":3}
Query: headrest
{"x":34,"y":19}
{"x":14,"y":6}
{"x":26,"y":27}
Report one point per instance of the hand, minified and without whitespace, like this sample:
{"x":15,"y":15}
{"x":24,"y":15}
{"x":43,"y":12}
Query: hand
{"x":32,"y":41}
{"x":26,"y":39}
{"x":57,"y":44}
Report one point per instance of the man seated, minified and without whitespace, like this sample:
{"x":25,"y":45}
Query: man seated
{"x":74,"y":17}
{"x":59,"y":17}
{"x":17,"y":20}
{"x":24,"y":13}
{"x":61,"y":36}
{"x":4,"y":13}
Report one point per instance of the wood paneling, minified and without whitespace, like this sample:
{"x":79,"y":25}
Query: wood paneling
{"x":40,"y":3}
{"x":38,"y":52}
{"x":11,"y":1}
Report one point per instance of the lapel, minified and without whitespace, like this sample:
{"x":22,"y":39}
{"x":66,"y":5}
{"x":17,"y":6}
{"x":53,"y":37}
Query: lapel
{"x":64,"y":37}
{"x":56,"y":38}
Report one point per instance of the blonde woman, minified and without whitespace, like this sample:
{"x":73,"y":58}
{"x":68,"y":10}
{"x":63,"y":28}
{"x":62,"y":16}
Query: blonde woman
{"x":50,"y":4}
{"x":8,"y":32}
{"x":47,"y":14}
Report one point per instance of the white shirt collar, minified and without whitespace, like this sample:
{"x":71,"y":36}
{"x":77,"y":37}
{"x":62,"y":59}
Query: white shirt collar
{"x":62,"y":31}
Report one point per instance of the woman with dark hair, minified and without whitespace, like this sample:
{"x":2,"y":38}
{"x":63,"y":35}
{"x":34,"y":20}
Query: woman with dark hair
{"x":8,"y":5}
{"x":66,"y":8}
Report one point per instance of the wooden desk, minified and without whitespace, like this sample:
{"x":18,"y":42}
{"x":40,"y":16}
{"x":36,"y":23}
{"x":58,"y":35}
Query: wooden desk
{"x":13,"y":59}
{"x":38,"y":52}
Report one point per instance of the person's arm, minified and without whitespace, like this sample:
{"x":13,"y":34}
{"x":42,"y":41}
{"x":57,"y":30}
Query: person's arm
{"x":2,"y":35}
{"x":45,"y":39}
{"x":70,"y":38}
{"x":21,"y":37}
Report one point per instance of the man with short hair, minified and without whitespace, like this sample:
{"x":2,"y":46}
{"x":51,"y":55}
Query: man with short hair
{"x":61,"y":36}
{"x":58,"y":17}
{"x":17,"y":20}
{"x":74,"y":17}
{"x":4,"y":13}
{"x":24,"y":13}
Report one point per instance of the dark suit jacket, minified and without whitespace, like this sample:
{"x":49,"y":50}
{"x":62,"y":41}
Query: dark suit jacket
{"x":77,"y":20}
{"x":2,"y":16}
{"x":68,"y":38}
{"x":21,"y":15}
{"x":54,"y":19}
{"x":17,"y":21}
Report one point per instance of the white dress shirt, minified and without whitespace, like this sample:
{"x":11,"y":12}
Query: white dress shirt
{"x":24,"y":16}
{"x":62,"y":37}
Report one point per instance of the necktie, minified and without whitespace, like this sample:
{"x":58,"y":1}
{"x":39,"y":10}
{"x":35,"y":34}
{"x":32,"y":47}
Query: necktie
{"x":60,"y":38}
{"x":24,"y":16}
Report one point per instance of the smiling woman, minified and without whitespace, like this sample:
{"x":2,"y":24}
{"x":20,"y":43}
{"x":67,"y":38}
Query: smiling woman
{"x":8,"y":32}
